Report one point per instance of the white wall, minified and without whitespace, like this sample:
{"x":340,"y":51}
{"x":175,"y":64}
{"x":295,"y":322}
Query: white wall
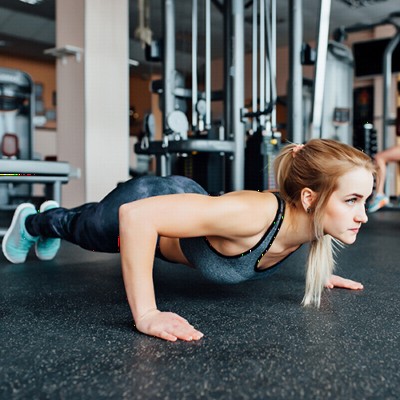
{"x":92,"y":96}
{"x":70,"y":17}
{"x":106,"y":96}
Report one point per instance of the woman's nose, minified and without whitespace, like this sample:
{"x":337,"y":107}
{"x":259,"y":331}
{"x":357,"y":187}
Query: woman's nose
{"x":361,"y":215}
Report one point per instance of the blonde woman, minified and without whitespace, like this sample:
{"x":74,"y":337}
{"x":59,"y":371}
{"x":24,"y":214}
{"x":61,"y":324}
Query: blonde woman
{"x":235,"y":237}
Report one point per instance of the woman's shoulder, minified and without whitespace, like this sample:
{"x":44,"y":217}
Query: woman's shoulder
{"x":249,"y":196}
{"x":253,"y":204}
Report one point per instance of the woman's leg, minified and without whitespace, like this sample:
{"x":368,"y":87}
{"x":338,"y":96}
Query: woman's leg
{"x":382,"y":158}
{"x":95,"y":226}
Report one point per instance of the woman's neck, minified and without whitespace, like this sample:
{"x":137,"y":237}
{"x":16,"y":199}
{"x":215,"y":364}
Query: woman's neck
{"x":296,"y":228}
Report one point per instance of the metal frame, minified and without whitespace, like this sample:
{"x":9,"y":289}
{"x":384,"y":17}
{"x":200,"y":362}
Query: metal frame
{"x":32,"y":172}
{"x":254,"y":62}
{"x":233,"y":134}
{"x":320,"y":68}
{"x":238,"y":93}
{"x":208,"y":64}
{"x":234,"y":142}
{"x":194,"y":63}
{"x":295,"y":84}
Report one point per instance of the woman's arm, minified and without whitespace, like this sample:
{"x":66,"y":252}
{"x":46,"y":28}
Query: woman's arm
{"x":138,"y":237}
{"x":183,"y":215}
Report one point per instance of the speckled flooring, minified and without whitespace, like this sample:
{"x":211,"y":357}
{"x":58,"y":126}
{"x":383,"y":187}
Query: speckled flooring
{"x":66,"y":330}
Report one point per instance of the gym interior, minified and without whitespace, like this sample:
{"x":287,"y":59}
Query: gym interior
{"x":94,"y":93}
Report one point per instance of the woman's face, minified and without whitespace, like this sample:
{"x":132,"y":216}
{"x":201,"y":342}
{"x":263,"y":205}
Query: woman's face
{"x":345,"y":211}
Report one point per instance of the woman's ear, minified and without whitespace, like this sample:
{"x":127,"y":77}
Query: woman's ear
{"x":308,"y":197}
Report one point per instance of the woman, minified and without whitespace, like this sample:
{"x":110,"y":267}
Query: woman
{"x":235,"y":237}
{"x":382,"y":159}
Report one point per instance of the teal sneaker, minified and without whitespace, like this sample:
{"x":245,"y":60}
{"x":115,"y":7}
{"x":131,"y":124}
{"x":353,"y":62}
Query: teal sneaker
{"x":47,"y":248}
{"x":17,"y":241}
{"x":378,"y":202}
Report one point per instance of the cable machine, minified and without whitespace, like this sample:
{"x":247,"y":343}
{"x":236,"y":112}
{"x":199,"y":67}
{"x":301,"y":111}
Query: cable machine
{"x":225,"y":141}
{"x":245,"y":156}
{"x":264,"y":140}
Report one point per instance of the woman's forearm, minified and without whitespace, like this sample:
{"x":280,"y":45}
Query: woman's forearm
{"x":137,"y":246}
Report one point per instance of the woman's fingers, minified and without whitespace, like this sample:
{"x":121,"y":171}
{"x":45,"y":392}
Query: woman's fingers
{"x":183,"y":330}
{"x":167,"y":326}
{"x":167,"y":336}
{"x":337,"y":281}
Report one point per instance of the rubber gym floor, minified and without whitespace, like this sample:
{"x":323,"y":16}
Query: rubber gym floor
{"x":66,"y":331}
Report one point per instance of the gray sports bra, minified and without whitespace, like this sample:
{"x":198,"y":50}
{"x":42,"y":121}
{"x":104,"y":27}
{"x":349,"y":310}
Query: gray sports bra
{"x":233,"y":269}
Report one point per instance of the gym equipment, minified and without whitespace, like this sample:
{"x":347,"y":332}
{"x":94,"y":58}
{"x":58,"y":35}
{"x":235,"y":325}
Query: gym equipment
{"x":17,"y":169}
{"x":231,"y":142}
{"x":16,"y":125}
{"x":330,"y":113}
{"x":264,"y":141}
{"x":175,"y":142}
{"x":388,"y":140}
{"x":29,"y":172}
{"x":295,"y":84}
{"x":320,"y":68}
{"x":16,"y":109}
{"x":370,"y":140}
{"x":337,"y":107}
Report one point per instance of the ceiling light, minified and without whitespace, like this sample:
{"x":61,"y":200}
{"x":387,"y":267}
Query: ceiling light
{"x":33,"y":2}
{"x":360,"y":3}
{"x":134,"y":63}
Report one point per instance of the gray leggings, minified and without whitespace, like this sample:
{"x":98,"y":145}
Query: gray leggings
{"x":95,"y":226}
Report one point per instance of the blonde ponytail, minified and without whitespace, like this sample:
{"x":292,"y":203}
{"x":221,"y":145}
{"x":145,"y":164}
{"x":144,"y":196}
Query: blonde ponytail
{"x":320,"y":266}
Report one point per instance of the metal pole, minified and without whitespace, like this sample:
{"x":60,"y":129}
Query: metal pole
{"x":208,"y":64}
{"x":194,"y":63}
{"x":168,"y":75}
{"x":262,"y":62}
{"x":273,"y":61}
{"x":295,"y":89}
{"x":268,"y":64}
{"x":254,"y":63}
{"x":387,"y":83}
{"x":228,"y":103}
{"x":169,"y":60}
{"x":320,"y":68}
{"x":238,"y":93}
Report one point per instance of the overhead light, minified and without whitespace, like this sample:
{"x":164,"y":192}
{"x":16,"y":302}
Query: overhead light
{"x":360,"y":3}
{"x":33,"y":2}
{"x":134,"y":63}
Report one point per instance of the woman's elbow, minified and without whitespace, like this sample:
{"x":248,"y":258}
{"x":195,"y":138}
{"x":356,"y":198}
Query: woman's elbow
{"x":125,"y":213}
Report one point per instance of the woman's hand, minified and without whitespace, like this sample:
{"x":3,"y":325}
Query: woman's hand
{"x":338,"y":281}
{"x":167,"y":326}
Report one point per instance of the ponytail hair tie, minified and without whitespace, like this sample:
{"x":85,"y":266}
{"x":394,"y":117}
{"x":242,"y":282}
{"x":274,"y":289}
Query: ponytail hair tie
{"x":297,"y":148}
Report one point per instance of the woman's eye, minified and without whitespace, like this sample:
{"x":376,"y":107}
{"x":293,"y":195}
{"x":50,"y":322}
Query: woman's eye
{"x":351,"y":201}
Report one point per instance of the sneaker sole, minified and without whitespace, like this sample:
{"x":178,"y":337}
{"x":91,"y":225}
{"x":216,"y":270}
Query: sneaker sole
{"x":47,"y":205}
{"x":17,"y":213}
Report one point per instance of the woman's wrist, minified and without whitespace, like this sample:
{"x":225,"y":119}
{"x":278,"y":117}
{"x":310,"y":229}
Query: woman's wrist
{"x":145,"y":314}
